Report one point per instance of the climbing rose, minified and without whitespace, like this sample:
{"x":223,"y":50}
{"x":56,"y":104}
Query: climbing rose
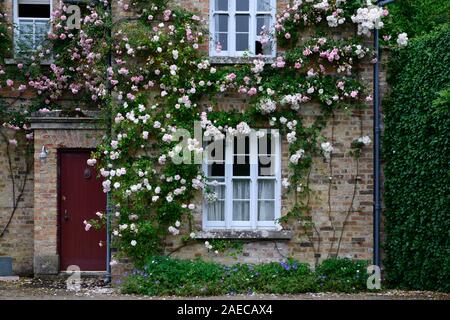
{"x":402,"y":39}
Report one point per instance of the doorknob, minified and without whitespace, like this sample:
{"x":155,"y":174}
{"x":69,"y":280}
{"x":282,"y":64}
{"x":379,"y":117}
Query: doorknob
{"x":66,"y":215}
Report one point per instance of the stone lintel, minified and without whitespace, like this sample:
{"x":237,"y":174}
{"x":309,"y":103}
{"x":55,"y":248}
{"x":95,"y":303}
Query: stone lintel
{"x":65,"y":123}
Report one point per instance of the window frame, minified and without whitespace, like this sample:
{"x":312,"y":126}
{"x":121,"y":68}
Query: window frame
{"x":253,"y":223}
{"x":231,"y":36}
{"x":17,"y":19}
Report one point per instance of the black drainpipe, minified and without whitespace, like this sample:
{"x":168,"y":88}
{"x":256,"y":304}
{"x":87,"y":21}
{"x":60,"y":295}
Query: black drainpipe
{"x":108,"y":196}
{"x":377,"y":146}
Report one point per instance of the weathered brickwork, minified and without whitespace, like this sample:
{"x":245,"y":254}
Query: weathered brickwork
{"x":32,"y":236}
{"x":17,"y":240}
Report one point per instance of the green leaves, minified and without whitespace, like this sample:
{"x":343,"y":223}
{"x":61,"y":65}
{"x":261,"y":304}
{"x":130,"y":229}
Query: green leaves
{"x":167,"y":276}
{"x":416,"y":149}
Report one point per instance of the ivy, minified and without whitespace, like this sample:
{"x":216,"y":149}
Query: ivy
{"x":416,"y":151}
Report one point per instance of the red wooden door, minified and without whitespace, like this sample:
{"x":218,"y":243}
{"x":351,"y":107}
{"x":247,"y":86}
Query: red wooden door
{"x":80,"y":196}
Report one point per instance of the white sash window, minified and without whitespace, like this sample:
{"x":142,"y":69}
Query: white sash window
{"x":243,"y":181}
{"x":238,"y":27}
{"x":32,"y":20}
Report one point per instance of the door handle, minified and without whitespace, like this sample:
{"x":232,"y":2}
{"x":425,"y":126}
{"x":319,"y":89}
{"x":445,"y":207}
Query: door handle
{"x":66,"y":215}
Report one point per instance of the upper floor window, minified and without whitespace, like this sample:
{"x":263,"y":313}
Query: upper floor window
{"x":243,"y":181}
{"x":32,"y":21}
{"x":240,"y":27}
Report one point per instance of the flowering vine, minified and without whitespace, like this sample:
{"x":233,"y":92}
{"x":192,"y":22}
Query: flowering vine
{"x":151,"y":78}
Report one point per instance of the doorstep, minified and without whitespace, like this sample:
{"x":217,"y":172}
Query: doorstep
{"x":9,"y":278}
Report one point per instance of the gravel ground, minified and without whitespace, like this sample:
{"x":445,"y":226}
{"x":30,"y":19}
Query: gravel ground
{"x":94,"y":289}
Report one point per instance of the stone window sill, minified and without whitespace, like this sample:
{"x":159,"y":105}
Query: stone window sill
{"x":245,"y":234}
{"x":238,"y":60}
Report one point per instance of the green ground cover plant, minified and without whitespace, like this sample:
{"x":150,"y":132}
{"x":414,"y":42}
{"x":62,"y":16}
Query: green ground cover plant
{"x":167,"y":276}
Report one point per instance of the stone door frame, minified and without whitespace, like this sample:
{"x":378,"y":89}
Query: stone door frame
{"x":54,"y":133}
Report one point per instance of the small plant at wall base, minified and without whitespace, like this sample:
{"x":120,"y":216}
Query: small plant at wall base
{"x":161,"y":82}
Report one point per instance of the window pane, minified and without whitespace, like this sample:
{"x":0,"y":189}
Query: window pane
{"x":241,"y":189}
{"x":266,"y":165}
{"x":216,"y":210}
{"x":263,"y":48}
{"x":266,"y":189}
{"x":25,"y":27}
{"x":242,"y":5}
{"x":241,"y":145}
{"x":222,"y":5}
{"x":262,"y":21}
{"x":263,"y":5}
{"x":242,"y":22}
{"x":241,"y":165}
{"x":265,"y":145}
{"x":241,"y":210}
{"x":242,"y":42}
{"x":221,"y":22}
{"x":42,"y":28}
{"x":215,"y":201}
{"x":216,"y":170}
{"x":216,"y":192}
{"x":34,"y":10}
{"x":266,"y":210}
{"x":222,"y":38}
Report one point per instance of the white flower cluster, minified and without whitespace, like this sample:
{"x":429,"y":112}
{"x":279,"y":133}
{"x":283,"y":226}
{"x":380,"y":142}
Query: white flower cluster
{"x":258,"y":66}
{"x":208,"y":245}
{"x":194,"y":145}
{"x":364,"y":140}
{"x":335,"y":19}
{"x":197,"y":183}
{"x":402,"y":39}
{"x":267,"y":106}
{"x":297,"y":156}
{"x":323,"y":5}
{"x":291,"y":137}
{"x":174,"y":230}
{"x":210,"y":129}
{"x":241,"y":129}
{"x":111,"y":173}
{"x":360,"y":51}
{"x":211,"y":197}
{"x":327,"y":148}
{"x":294,"y":100}
{"x":369,"y":18}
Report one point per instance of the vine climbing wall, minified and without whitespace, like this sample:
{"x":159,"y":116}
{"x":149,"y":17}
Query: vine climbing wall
{"x":318,"y":88}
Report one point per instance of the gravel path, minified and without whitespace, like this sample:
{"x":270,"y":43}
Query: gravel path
{"x":92,"y":289}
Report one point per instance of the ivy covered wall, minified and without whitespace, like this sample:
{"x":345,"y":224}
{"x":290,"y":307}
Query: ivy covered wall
{"x":416,"y":151}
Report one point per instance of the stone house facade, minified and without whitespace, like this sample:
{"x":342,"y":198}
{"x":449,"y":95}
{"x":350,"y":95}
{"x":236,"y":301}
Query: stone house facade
{"x":33,"y":236}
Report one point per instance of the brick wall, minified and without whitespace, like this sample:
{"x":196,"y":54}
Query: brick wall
{"x":17,"y":240}
{"x":22,"y":242}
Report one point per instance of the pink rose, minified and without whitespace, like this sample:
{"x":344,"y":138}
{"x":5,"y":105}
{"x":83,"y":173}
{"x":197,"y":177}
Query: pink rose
{"x":252,"y":91}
